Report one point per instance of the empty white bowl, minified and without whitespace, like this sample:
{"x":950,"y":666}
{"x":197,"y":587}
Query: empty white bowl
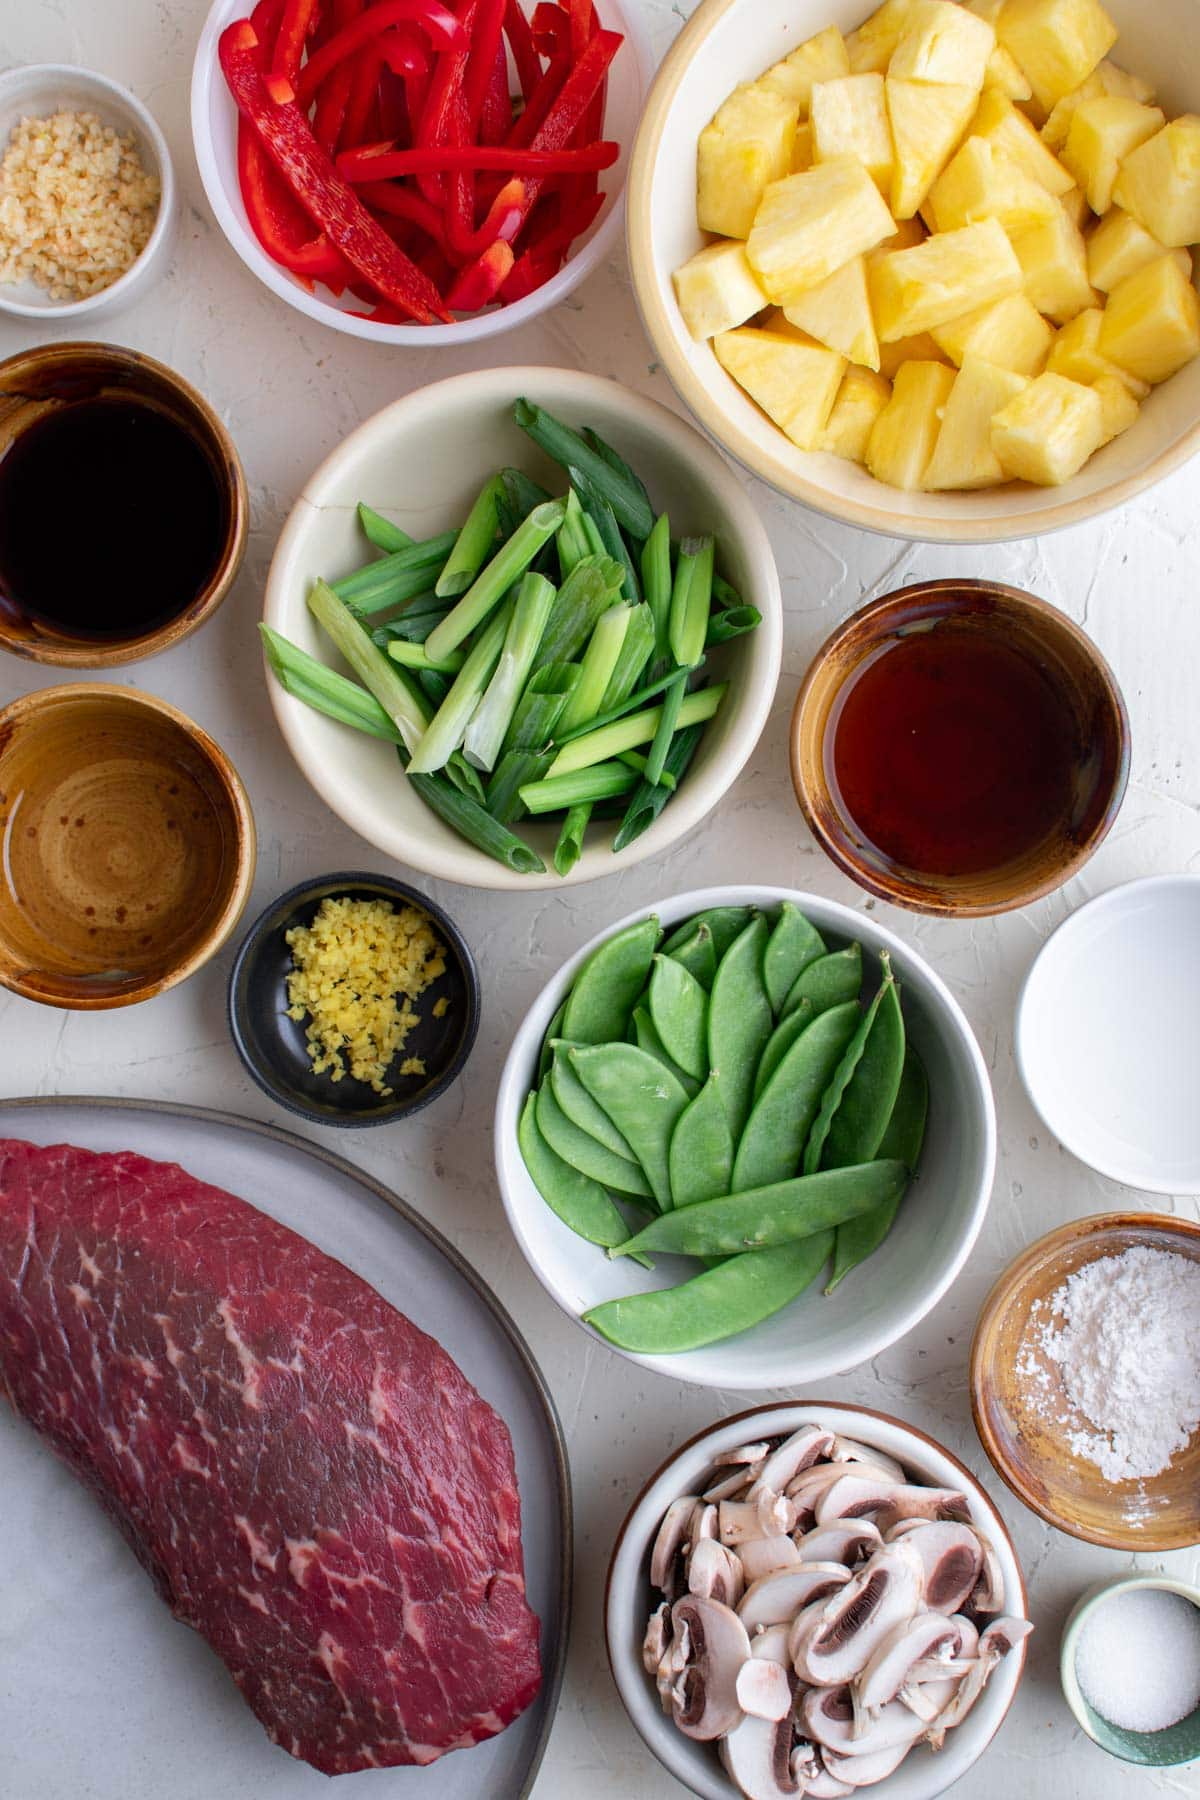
{"x":936,"y":1226}
{"x":214,"y":136}
{"x":629,"y":1602}
{"x":1108,"y":1034}
{"x":731,"y":41}
{"x":36,"y":91}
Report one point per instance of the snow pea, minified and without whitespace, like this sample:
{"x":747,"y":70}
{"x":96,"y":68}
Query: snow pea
{"x":739,"y":1020}
{"x":860,"y":1238}
{"x":553,"y":1030}
{"x":697,"y":953}
{"x":577,"y":1200}
{"x":828,"y":981}
{"x":583,"y":1152}
{"x":607,"y":987}
{"x":779,"y":1125}
{"x":643,"y":1100}
{"x":646,"y":1038}
{"x":716,"y":1304}
{"x":679,"y":1011}
{"x":700,"y":1160}
{"x":766,"y":1217}
{"x":857,"y":1127}
{"x":725,"y":922}
{"x":792,"y":946}
{"x":578,"y":1104}
{"x":845,"y":1072}
{"x":780,"y":1042}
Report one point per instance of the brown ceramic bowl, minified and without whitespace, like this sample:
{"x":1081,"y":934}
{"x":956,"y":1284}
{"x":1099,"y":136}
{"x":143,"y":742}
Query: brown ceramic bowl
{"x":1159,"y":1513}
{"x":36,"y":380}
{"x":1065,"y":653}
{"x":128,"y":846}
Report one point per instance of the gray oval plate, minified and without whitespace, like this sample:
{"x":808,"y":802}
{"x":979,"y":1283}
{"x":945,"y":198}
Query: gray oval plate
{"x":101,"y":1692}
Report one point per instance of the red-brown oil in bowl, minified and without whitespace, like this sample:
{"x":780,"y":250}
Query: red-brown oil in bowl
{"x":954,"y":750}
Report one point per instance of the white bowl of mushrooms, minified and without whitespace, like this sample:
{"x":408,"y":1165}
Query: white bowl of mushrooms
{"x":814,"y":1599}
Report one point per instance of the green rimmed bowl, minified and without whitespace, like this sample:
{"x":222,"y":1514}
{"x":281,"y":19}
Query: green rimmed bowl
{"x":1168,"y":1749}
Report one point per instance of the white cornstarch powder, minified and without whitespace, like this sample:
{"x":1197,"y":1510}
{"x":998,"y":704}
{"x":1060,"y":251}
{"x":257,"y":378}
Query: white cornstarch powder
{"x":1138,"y":1659}
{"x":1125,"y":1333}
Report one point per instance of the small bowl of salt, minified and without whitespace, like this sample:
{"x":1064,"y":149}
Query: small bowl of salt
{"x":1131,"y":1669}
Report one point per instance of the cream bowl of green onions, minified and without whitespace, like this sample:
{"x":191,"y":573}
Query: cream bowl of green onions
{"x":522,"y":628}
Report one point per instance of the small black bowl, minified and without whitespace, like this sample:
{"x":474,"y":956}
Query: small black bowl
{"x":273,"y":1048}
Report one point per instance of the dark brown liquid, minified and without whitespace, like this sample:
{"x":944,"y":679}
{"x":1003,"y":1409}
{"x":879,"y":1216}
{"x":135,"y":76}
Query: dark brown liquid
{"x":111,"y":519}
{"x":953,"y":751}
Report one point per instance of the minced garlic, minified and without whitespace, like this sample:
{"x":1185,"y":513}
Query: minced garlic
{"x":357,"y":968}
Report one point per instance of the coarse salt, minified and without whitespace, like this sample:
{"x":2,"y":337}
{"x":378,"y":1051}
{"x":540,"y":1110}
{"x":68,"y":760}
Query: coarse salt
{"x":1138,"y":1659}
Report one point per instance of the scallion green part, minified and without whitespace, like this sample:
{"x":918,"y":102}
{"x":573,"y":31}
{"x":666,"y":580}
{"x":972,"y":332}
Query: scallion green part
{"x":473,"y":544}
{"x":596,"y":669}
{"x":601,"y":782}
{"x":668,"y":719}
{"x":302,"y":676}
{"x":496,"y":578}
{"x":493,"y":716}
{"x":567,"y":448}
{"x":470,"y":821}
{"x":380,"y":531}
{"x":399,"y":696}
{"x":656,"y":580}
{"x":448,"y":725}
{"x":569,"y":847}
{"x":415,"y":656}
{"x":648,"y":799}
{"x":635,"y":729}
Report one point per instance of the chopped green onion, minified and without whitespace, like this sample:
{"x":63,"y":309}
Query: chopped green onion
{"x":490,"y":722}
{"x":636,"y":650}
{"x":434,"y":686}
{"x":541,"y":706}
{"x":668,"y":719}
{"x":380,"y":531}
{"x":396,"y":577}
{"x":631,"y":703}
{"x":635,"y":729}
{"x":601,"y":782}
{"x":412,"y":625}
{"x":569,"y":847}
{"x":589,"y":590}
{"x":693,"y":571}
{"x":465,"y":778}
{"x":734,"y":622}
{"x":615,"y":461}
{"x":633,"y":759}
{"x":396,"y":692}
{"x":564,"y":446}
{"x":604,"y":521}
{"x":572,"y":540}
{"x":415,"y":656}
{"x":656,"y":580}
{"x":473,"y":543}
{"x":523,"y":494}
{"x":493,"y":582}
{"x":596,"y":669}
{"x":469,"y":820}
{"x":648,"y":801}
{"x":724,"y":595}
{"x":324,"y":689}
{"x":446,"y":729}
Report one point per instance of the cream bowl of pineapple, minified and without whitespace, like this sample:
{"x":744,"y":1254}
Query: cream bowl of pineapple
{"x":929,"y":269}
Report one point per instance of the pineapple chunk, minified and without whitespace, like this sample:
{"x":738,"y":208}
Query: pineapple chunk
{"x":1053,"y":259}
{"x":1010,"y":131}
{"x":821,"y":58}
{"x":1105,"y":78}
{"x":1152,"y":321}
{"x":928,"y":124}
{"x":1005,"y":73}
{"x":918,"y":348}
{"x":1103,"y":132}
{"x":1048,"y":431}
{"x":1118,"y":408}
{"x":981,"y":182}
{"x":870,"y":47}
{"x":1056,"y":42}
{"x":1159,"y":183}
{"x":803,"y":158}
{"x":1075,"y":205}
{"x":943,"y":43}
{"x":1010,"y":333}
{"x":916,"y":290}
{"x":717,"y":289}
{"x":810,"y":224}
{"x":1119,"y":246}
{"x":838,"y":313}
{"x":861,"y":398}
{"x":849,"y":118}
{"x":749,"y":143}
{"x":903,"y":436}
{"x":793,"y":380}
{"x":1076,"y":354}
{"x":963,"y":456}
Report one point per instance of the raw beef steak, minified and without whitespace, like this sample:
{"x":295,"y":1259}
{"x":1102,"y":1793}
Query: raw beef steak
{"x":312,"y":1482}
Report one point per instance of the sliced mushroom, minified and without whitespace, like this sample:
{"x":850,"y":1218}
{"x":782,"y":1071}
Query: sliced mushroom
{"x":745,"y":1453}
{"x":777,"y":1598}
{"x":865,"y":1771}
{"x":797,"y":1452}
{"x":767,"y":1515}
{"x":828,"y":1716}
{"x":952,"y":1557}
{"x":925,"y":1503}
{"x":715,"y":1573}
{"x":763,"y":1556}
{"x":669,"y":1542}
{"x":733,"y":1487}
{"x":763,"y":1689}
{"x":771,"y":1644}
{"x":657,"y":1638}
{"x":704,"y":1697}
{"x":844,"y":1543}
{"x":892,"y":1664}
{"x":702,"y":1524}
{"x":849,"y":1450}
{"x":858,"y":1496}
{"x":1000,"y":1637}
{"x":927,"y":1698}
{"x":833,"y":1640}
{"x":814,"y":1777}
{"x":757,"y":1756}
{"x":807,"y":1489}
{"x":1003,"y":1635}
{"x":987,"y":1596}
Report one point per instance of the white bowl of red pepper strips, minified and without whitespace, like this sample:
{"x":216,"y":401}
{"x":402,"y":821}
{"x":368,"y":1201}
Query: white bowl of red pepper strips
{"x":413,"y":172}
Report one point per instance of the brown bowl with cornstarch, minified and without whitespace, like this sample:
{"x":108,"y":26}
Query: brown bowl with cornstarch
{"x":123,"y":506}
{"x":128,"y":847}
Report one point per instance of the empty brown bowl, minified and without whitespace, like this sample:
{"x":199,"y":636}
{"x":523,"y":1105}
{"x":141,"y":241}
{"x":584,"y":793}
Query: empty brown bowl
{"x":1017,"y":1396}
{"x":123,"y":507}
{"x":128,"y":846}
{"x":960,"y":748}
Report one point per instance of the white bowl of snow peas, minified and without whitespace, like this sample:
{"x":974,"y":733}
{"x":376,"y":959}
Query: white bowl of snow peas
{"x":746,"y":1137}
{"x":562,"y":617}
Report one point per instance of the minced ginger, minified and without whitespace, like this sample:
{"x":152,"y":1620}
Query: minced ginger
{"x":358,"y":967}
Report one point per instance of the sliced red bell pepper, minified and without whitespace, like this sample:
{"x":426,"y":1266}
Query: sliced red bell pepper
{"x":436,"y":20}
{"x":361,"y":123}
{"x":279,"y":222}
{"x":398,"y":202}
{"x":551,"y":28}
{"x":479,"y":283}
{"x":265,"y":20}
{"x":299,"y":17}
{"x":438,"y":121}
{"x":334,"y":92}
{"x":497,"y":103}
{"x":539,"y":102}
{"x":570,"y":108}
{"x":391,"y":103}
{"x":584,"y":24}
{"x":530,"y":272}
{"x":520,"y":42}
{"x":333,"y":205}
{"x":379,"y":162}
{"x":481,"y":64}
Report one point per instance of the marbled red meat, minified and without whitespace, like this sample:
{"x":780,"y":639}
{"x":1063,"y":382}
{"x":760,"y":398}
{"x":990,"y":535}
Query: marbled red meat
{"x":312,"y":1482}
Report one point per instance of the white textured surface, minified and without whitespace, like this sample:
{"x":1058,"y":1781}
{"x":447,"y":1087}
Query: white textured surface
{"x":289,"y":391}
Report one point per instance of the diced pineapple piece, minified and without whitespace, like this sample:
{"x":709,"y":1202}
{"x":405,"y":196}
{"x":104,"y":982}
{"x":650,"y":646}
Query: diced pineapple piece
{"x":717,"y":289}
{"x":918,"y":348}
{"x":943,"y":43}
{"x":1074,"y":204}
{"x":1152,"y":321}
{"x":1053,"y":259}
{"x":1102,"y":134}
{"x":1105,"y":78}
{"x":1119,"y":246}
{"x":811,"y":224}
{"x":820,"y":58}
{"x":998,"y":119}
{"x":1057,"y":42}
{"x":963,"y":456}
{"x":749,"y":143}
{"x":1048,"y":432}
{"x":904,"y":434}
{"x":1076,"y":354}
{"x":794,"y":380}
{"x":928,"y":124}
{"x":849,"y":118}
{"x":1118,"y":408}
{"x":861,"y":398}
{"x":981,"y":182}
{"x":870,"y":47}
{"x":1005,"y":73}
{"x":1010,"y":333}
{"x":803,"y":158}
{"x":838,"y":313}
{"x":1159,"y":182}
{"x":916,"y":290}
